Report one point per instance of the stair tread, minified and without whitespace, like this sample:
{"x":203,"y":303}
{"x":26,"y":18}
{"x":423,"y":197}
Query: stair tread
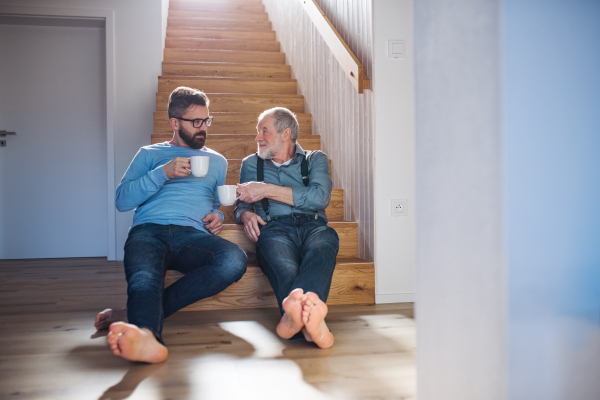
{"x":175,"y":32}
{"x":213,"y":14}
{"x":222,"y":23}
{"x":333,"y":224}
{"x":221,"y":114}
{"x":340,"y":263}
{"x":223,"y":78}
{"x":271,"y":46}
{"x":225,"y":64}
{"x":220,"y":51}
{"x":198,"y":39}
{"x":237,"y":56}
{"x":241,"y":136}
{"x":226,"y":2}
{"x":249,"y":95}
{"x":220,"y":19}
{"x":212,"y":29}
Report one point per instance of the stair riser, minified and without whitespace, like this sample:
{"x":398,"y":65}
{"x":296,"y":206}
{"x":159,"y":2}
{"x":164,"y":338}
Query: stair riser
{"x":355,"y":286}
{"x":335,"y":210}
{"x":227,"y":71}
{"x":221,"y":44}
{"x":229,"y":86}
{"x":240,"y":146}
{"x":347,"y":232}
{"x":241,"y":103}
{"x":219,"y":34}
{"x":245,"y":16}
{"x":224,"y":56}
{"x":250,"y":7}
{"x":219,"y":24}
{"x":229,"y":124}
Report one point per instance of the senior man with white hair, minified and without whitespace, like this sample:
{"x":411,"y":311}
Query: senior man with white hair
{"x":284,"y":191}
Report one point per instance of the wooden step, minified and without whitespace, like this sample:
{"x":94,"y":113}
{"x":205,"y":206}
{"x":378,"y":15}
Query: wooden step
{"x":246,"y":16}
{"x":242,"y":102}
{"x":335,"y":210}
{"x":353,"y":283}
{"x":224,"y":56}
{"x":347,"y":232}
{"x":230,"y":85}
{"x":223,"y":6}
{"x":222,"y":44}
{"x":239,"y":146}
{"x":233,"y":172}
{"x":218,"y":23}
{"x":220,"y":34}
{"x":230,"y":123}
{"x":229,"y":70}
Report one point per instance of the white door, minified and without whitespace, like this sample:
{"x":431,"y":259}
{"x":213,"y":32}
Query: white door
{"x":53,"y":172}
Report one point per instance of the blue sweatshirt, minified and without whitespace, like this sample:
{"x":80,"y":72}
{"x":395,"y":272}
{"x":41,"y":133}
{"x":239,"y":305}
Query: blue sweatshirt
{"x":178,"y":201}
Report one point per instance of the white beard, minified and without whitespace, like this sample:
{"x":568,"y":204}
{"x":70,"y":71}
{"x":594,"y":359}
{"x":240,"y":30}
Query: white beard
{"x":269,"y":152}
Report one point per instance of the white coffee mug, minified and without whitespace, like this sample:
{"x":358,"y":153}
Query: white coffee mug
{"x":227,"y":194}
{"x":199,"y":165}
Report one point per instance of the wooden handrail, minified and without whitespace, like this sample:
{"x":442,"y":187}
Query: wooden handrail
{"x":348,"y":61}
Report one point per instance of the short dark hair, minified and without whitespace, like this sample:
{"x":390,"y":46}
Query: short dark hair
{"x":183,"y":98}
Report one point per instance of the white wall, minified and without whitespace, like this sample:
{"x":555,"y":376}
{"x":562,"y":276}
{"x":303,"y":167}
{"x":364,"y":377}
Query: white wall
{"x":394,"y":152}
{"x":460,"y":303}
{"x":137,"y":60}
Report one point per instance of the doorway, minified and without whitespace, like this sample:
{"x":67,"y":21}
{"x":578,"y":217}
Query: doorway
{"x":53,"y":172}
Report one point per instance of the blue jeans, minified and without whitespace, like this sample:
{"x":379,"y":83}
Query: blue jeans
{"x":297,"y":251}
{"x":209,"y":263}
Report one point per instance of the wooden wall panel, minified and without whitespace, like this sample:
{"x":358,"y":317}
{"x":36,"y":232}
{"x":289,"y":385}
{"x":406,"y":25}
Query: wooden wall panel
{"x":343,"y":118}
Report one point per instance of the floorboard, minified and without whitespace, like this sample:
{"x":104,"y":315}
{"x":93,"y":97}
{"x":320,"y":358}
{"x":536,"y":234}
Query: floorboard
{"x":50,"y":349}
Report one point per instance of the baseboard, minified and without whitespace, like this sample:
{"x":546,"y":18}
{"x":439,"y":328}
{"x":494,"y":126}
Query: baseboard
{"x":394,"y":298}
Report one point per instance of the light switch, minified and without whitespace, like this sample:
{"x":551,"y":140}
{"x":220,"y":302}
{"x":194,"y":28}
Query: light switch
{"x":396,"y":49}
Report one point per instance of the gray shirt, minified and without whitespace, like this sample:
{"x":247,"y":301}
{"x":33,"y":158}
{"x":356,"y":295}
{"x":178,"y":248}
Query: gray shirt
{"x":307,"y":199}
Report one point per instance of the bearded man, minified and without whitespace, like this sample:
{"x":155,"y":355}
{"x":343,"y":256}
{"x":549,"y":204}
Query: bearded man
{"x":174,"y":226}
{"x":283,"y":195}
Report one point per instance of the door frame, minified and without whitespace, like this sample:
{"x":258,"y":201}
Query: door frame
{"x":109,"y":20}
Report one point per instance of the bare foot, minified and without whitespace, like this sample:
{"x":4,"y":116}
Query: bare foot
{"x":135,"y":344}
{"x":291,"y":322}
{"x":108,"y":316}
{"x":315,"y":330}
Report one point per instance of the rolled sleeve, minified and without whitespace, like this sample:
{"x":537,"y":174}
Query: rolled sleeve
{"x":221,"y":214}
{"x":317,"y":194}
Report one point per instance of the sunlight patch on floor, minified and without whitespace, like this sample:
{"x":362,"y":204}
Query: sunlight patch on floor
{"x":225,"y":377}
{"x":266,"y":344}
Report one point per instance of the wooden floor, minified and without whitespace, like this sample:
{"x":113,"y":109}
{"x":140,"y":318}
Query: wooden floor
{"x":50,"y":350}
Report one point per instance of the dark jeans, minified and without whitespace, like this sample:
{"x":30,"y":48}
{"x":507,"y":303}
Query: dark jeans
{"x":209,"y":263}
{"x":297,"y":251}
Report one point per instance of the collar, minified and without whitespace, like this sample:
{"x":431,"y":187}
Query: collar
{"x":298,"y":152}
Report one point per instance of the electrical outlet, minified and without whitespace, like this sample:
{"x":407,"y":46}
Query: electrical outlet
{"x":399,"y":207}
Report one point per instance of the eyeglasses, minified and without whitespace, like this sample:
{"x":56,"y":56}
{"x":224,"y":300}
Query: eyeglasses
{"x":197,"y":123}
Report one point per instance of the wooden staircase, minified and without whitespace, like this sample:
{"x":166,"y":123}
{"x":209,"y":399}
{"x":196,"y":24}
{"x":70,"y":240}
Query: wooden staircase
{"x":227,"y":49}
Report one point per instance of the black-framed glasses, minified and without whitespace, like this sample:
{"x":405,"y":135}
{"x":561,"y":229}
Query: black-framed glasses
{"x":197,"y":123}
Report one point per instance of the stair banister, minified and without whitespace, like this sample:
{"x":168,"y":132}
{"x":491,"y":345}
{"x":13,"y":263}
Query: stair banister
{"x":348,"y":61}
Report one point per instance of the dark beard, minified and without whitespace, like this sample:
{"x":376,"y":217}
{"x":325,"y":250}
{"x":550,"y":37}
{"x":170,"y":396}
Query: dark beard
{"x":194,"y":141}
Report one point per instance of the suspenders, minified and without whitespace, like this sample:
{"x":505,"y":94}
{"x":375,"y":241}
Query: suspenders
{"x":260,"y":177}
